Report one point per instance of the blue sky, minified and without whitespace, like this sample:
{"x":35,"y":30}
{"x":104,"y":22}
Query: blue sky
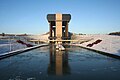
{"x":88,"y":16}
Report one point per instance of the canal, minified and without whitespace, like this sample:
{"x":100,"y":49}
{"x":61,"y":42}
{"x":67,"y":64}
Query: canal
{"x":45,"y":63}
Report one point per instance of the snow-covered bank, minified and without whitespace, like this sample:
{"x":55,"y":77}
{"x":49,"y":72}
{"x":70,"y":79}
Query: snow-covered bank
{"x":9,"y":43}
{"x":109,"y":44}
{"x":39,"y":37}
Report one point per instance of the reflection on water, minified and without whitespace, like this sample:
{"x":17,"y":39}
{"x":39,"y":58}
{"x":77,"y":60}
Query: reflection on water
{"x":58,"y":62}
{"x":45,"y":63}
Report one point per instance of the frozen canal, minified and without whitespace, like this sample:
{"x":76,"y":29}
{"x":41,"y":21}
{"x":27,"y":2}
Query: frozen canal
{"x":45,"y":63}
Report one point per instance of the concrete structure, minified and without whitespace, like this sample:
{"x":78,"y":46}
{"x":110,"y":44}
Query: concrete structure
{"x":58,"y":24}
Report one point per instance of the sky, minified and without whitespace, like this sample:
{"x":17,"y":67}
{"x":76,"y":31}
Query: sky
{"x":87,"y":16}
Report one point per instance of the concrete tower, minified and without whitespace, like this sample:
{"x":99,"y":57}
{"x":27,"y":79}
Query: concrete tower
{"x":58,"y":24}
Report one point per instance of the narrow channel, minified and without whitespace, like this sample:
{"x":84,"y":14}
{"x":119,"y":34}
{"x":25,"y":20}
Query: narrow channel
{"x":45,"y":63}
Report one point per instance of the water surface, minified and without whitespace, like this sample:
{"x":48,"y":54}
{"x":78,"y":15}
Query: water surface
{"x":46,"y":63}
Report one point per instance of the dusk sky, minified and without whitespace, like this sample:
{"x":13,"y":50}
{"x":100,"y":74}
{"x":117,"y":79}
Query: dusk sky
{"x":87,"y":16}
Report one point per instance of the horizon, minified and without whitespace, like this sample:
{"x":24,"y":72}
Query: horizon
{"x":48,"y":31}
{"x":87,"y":16}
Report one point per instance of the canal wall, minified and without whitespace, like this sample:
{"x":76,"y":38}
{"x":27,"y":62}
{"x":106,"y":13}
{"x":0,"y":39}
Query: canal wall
{"x":8,"y":54}
{"x":97,"y":50}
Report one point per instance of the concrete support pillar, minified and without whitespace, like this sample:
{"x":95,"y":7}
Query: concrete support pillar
{"x":54,"y":32}
{"x":63,"y":32}
{"x":66,"y":30}
{"x":50,"y":29}
{"x":58,"y":26}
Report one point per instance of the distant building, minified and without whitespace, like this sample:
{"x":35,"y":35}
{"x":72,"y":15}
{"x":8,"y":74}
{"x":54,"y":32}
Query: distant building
{"x":58,"y":24}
